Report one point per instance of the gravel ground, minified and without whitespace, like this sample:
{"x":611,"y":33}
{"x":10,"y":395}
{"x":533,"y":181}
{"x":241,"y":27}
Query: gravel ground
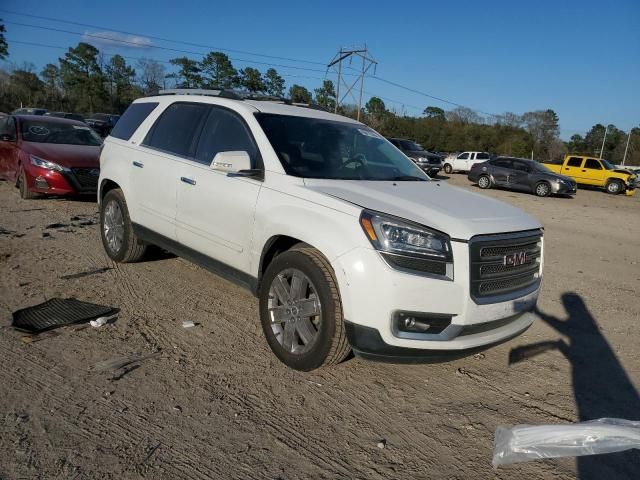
{"x":213,"y":402}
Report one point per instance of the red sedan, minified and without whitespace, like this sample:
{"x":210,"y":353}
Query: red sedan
{"x":49,"y":155}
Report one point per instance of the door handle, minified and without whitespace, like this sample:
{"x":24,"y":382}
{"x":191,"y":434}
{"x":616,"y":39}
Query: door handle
{"x":566,"y":168}
{"x":584,"y":170}
{"x":138,"y":164}
{"x":190,"y":181}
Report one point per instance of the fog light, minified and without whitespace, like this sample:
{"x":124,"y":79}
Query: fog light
{"x":411,"y":322}
{"x":41,"y":182}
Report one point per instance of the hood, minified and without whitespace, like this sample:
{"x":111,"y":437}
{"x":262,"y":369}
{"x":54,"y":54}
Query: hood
{"x":83,"y":156}
{"x":625,"y":172}
{"x":454,"y":211}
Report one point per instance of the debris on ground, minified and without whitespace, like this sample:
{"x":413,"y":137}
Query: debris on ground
{"x":98,"y":322}
{"x":188,"y":324}
{"x":86,"y":273}
{"x":58,"y":312}
{"x":521,"y":443}
{"x":382,"y":443}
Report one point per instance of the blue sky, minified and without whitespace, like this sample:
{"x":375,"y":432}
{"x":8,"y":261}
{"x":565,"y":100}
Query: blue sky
{"x":580,"y":58}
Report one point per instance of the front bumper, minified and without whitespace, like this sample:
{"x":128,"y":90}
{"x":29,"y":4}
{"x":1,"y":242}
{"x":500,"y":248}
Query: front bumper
{"x":563,"y":189}
{"x":74,"y":181}
{"x":373,"y":292}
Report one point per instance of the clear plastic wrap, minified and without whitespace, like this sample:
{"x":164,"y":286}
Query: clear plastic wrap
{"x":521,"y":443}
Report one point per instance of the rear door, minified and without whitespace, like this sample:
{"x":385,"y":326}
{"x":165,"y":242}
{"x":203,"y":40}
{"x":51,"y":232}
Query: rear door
{"x":215,"y":209}
{"x":155,"y":172}
{"x":519,"y":178}
{"x":593,"y":173}
{"x":573,"y":168}
{"x":501,"y":168}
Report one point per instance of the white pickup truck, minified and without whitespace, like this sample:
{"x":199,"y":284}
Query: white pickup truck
{"x":347,"y":244}
{"x":462,"y":162}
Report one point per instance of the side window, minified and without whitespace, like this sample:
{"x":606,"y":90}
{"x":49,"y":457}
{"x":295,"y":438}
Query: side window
{"x":593,"y":164}
{"x":8,"y":126}
{"x":482,"y":156}
{"x":225,"y":131}
{"x":502,"y":163}
{"x":520,"y":166}
{"x":176,"y":128}
{"x":574,"y":162}
{"x":132,"y":118}
{"x":463,"y":156}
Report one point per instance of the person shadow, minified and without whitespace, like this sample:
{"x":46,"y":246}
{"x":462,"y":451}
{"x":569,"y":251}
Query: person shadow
{"x":601,"y":385}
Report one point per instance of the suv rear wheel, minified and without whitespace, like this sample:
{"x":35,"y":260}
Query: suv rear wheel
{"x":301,"y":310}
{"x":447,"y":168}
{"x":118,"y":238}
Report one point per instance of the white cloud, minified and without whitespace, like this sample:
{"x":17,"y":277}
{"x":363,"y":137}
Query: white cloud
{"x":116,"y":39}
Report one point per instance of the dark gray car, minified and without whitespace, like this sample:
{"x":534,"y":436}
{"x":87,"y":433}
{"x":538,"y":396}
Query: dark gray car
{"x":521,"y":174}
{"x":427,"y":161}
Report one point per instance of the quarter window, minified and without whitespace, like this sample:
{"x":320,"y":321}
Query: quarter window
{"x":224,"y":131}
{"x":175,"y":130}
{"x":593,"y":164}
{"x":132,"y":118}
{"x":482,"y":156}
{"x":574,"y":162}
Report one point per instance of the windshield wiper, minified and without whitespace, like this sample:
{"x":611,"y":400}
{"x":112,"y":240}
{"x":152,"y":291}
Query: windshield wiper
{"x":407,"y":178}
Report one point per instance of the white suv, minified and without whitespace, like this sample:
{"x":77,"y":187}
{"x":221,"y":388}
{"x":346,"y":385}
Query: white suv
{"x":464,"y":161}
{"x":347,"y":244}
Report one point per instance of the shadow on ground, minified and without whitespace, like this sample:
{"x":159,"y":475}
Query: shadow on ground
{"x":601,"y":385}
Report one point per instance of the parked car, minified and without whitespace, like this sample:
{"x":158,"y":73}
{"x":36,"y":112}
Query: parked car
{"x":49,"y":155}
{"x":29,"y":111}
{"x":344,"y":240}
{"x":521,"y":174}
{"x":70,"y":116}
{"x":102,"y":123}
{"x":596,"y":172}
{"x":462,"y":162}
{"x":427,"y":161}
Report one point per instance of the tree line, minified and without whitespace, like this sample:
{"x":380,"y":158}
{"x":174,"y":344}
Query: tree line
{"x":84,"y":81}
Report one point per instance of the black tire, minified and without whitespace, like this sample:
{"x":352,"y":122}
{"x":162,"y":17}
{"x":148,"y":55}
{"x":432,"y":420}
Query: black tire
{"x":543,"y":189}
{"x":330,"y":345}
{"x":131,"y":248}
{"x":484,"y":182}
{"x":448,"y":168}
{"x":614,"y":187}
{"x":23,"y":186}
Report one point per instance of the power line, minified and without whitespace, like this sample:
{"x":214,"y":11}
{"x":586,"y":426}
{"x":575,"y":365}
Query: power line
{"x":243,"y":52}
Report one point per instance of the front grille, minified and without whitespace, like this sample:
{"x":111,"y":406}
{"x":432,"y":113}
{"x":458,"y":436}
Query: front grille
{"x":85,"y":179}
{"x":434,"y":161}
{"x":504,"y":264}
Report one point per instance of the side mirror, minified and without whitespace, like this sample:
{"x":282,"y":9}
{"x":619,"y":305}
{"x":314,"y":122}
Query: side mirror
{"x":7,"y":138}
{"x":231,"y":162}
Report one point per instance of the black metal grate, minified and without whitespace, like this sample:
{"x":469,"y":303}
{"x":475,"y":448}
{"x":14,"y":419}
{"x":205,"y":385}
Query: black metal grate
{"x":58,"y":312}
{"x":87,"y":178}
{"x":491,"y":275}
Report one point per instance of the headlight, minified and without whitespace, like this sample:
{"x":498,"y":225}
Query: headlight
{"x":39,"y":162}
{"x":421,"y":160}
{"x":408,"y":246}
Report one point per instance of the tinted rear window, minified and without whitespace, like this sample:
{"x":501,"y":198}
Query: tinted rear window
{"x":574,"y":162}
{"x":132,"y":118}
{"x":176,"y":128}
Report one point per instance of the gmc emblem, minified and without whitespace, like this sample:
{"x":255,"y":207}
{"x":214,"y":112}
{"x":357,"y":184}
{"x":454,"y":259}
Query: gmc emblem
{"x":515,"y":259}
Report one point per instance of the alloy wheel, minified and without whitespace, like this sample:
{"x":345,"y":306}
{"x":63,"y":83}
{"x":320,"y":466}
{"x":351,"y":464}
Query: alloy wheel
{"x":113,"y":226}
{"x":483,"y":182}
{"x":294,"y":310}
{"x":542,"y":190}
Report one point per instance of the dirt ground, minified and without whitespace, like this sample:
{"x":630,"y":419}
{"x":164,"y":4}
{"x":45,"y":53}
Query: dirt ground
{"x":213,"y":402}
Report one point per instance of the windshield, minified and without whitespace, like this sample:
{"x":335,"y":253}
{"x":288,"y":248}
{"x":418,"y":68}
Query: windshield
{"x":410,"y":146}
{"x":317,"y":148}
{"x":607,"y":165}
{"x":43,"y":131}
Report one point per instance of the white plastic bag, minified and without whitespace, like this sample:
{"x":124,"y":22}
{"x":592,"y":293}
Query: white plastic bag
{"x":521,"y":443}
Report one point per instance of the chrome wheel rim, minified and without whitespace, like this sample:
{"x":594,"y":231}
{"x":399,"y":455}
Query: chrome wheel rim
{"x":483,"y":182}
{"x":542,"y":190}
{"x":294,"y":311}
{"x":614,"y":187}
{"x":113,"y":226}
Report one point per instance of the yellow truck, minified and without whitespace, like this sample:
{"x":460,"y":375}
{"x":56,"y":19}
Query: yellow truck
{"x":596,"y":172}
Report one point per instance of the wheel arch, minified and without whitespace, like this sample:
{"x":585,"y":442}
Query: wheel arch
{"x":106,"y":185}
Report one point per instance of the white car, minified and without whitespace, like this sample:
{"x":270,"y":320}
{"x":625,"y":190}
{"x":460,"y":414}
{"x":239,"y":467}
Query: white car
{"x":344,"y":240}
{"x":464,"y":161}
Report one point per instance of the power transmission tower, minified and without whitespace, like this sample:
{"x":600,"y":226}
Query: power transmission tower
{"x":366,"y":63}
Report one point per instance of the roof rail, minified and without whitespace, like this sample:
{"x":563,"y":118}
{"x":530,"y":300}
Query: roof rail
{"x":201,"y":91}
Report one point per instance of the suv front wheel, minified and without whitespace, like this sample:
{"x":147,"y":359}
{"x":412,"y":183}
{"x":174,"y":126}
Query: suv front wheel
{"x":118,"y":238}
{"x":301,"y":310}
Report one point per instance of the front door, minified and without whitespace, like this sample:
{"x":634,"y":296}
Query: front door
{"x":215,"y":209}
{"x":593,"y":172}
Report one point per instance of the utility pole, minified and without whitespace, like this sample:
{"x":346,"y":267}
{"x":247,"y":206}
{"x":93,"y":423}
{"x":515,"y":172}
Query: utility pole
{"x":366,"y":63}
{"x":603,"y":140}
{"x":626,"y":149}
